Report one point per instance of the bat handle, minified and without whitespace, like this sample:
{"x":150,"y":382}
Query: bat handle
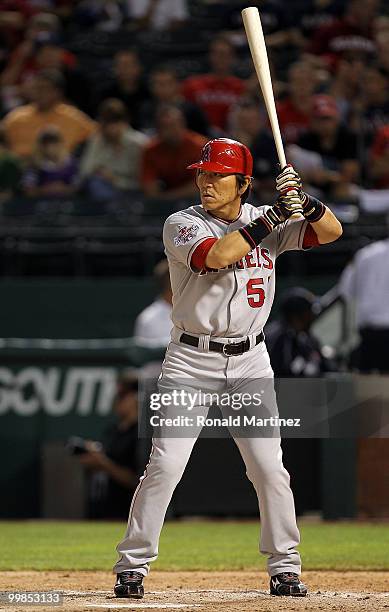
{"x":281,"y":155}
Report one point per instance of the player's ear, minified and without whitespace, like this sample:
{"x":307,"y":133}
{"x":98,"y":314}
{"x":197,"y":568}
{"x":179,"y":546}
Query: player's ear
{"x":244,"y":183}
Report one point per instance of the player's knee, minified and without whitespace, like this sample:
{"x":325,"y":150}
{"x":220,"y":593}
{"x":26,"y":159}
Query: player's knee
{"x":171,"y":467}
{"x":269,"y":473}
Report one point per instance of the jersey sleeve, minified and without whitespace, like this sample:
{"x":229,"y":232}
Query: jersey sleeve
{"x":290,"y":235}
{"x":182,"y":234}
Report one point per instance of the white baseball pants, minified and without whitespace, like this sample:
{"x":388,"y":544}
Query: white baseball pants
{"x":169,"y":457}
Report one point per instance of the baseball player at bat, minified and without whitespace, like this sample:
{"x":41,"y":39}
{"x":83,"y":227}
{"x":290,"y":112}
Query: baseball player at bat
{"x":222,"y":256}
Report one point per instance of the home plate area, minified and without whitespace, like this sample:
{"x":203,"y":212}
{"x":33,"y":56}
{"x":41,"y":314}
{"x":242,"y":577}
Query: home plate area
{"x":229,"y":600}
{"x":165,"y":600}
{"x":218,"y":591}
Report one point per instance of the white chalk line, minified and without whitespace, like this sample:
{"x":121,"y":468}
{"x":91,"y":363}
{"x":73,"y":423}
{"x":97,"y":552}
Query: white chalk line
{"x":133,"y":606}
{"x":169,"y":592}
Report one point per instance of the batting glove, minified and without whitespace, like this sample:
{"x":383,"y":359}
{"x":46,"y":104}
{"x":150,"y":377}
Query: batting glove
{"x":285,"y":206}
{"x":293,"y":199}
{"x":288,"y":180}
{"x":290,"y":203}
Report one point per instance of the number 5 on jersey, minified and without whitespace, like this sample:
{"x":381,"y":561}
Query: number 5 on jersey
{"x":255,"y":293}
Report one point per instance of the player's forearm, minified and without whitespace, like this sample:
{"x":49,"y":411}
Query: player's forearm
{"x":234,"y":246}
{"x":328,"y":228}
{"x":227,"y":250}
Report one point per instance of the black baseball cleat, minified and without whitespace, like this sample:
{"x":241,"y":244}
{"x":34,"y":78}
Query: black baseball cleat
{"x":287,"y":583}
{"x":129,"y":584}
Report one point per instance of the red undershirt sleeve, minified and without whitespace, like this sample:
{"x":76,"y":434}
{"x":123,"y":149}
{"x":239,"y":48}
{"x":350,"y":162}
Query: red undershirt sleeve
{"x":200,"y":253}
{"x":310,"y":238}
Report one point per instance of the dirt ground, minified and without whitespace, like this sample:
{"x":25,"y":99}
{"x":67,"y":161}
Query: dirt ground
{"x":208,"y":591}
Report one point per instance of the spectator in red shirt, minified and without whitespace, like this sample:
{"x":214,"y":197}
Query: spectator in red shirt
{"x":294,"y":110}
{"x":379,"y":159}
{"x":353,"y":32}
{"x":23,"y":58}
{"x":46,"y":53}
{"x":165,"y":159}
{"x":14,"y":16}
{"x":217,"y":91}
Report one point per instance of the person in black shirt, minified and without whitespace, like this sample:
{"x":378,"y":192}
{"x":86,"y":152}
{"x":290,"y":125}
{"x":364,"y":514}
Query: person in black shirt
{"x":114,"y":462}
{"x":375,"y":109}
{"x":337,"y":146}
{"x":128,"y":86}
{"x":293,"y":350}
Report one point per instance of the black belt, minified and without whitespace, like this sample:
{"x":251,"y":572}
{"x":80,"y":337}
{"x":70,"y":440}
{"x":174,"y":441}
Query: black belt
{"x":229,"y":349}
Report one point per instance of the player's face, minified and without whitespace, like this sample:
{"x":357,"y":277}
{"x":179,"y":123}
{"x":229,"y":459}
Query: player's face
{"x":217,"y":190}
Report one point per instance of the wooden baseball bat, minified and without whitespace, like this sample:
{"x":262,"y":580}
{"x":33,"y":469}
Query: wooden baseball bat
{"x":254,"y":32}
{"x":256,"y":40}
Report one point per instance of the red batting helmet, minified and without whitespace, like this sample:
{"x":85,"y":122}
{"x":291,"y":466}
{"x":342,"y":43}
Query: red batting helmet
{"x":225,"y":156}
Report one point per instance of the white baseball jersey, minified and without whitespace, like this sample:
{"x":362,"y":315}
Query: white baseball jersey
{"x":231,"y":302}
{"x":366,"y":281}
{"x":153,"y":325}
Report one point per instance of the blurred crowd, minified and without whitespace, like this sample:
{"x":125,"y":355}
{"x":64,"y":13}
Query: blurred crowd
{"x":139,"y":126}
